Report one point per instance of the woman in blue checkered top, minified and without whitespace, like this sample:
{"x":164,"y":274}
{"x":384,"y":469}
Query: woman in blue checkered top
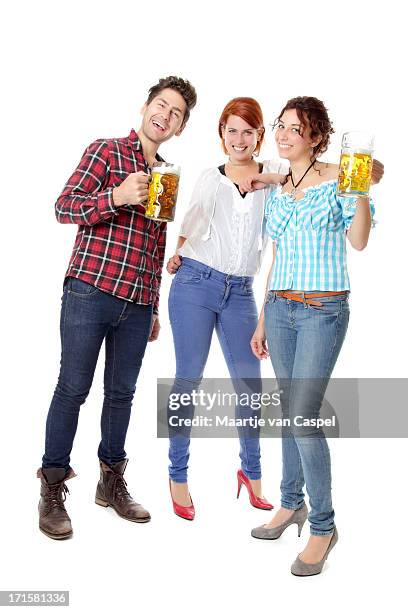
{"x":305,"y":315}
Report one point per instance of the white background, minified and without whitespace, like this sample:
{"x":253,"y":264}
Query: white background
{"x":77,"y":71}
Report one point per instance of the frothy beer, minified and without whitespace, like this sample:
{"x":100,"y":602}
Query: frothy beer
{"x":163,"y":188}
{"x":356,"y":163}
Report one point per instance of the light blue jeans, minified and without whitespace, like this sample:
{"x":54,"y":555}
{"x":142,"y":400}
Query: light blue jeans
{"x":202,"y":299}
{"x":304,"y":342}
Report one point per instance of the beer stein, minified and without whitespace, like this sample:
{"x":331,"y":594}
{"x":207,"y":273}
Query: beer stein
{"x":356,"y":163}
{"x":161,"y":203}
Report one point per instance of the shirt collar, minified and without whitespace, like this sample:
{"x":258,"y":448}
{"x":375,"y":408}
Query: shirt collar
{"x":134,"y":143}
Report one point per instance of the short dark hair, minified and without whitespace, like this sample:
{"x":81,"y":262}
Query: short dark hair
{"x":312,"y":111}
{"x":184,"y":88}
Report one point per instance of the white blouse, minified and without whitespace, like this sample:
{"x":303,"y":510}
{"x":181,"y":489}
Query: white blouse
{"x":231,"y":236}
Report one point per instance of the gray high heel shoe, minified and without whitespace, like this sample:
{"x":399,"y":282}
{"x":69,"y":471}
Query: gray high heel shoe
{"x":300,"y":568}
{"x":273,"y":533}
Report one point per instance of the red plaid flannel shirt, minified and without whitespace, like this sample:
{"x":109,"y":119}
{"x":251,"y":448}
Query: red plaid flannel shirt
{"x":117,"y":250}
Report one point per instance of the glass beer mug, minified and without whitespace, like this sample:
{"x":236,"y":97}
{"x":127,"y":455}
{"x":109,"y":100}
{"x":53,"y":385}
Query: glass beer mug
{"x":161,"y":202}
{"x":356,"y":163}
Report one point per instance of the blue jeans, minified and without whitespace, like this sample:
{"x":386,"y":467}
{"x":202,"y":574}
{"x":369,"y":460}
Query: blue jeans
{"x":304,"y":342}
{"x":202,"y":299}
{"x":88,"y":317}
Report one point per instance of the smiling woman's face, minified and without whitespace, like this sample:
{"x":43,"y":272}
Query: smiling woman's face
{"x":240,"y":139}
{"x":292,"y":138}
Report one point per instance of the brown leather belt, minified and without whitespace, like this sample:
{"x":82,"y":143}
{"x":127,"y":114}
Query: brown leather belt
{"x":310,"y":297}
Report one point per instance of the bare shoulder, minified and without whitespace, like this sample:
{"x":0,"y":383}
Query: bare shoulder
{"x":328,"y":171}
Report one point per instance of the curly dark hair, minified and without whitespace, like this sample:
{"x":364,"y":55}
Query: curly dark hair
{"x":184,"y":88}
{"x":312,"y":113}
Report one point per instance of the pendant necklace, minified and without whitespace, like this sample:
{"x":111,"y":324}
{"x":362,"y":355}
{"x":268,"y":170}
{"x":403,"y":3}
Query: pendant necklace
{"x":295,"y":190}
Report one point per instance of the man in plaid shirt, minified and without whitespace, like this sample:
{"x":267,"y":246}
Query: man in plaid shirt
{"x":111,"y":294}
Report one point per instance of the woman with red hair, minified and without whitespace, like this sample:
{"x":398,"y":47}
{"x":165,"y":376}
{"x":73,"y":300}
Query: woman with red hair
{"x":219,"y":250}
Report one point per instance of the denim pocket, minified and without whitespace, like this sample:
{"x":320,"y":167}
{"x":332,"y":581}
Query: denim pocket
{"x":331,"y":305}
{"x":78,"y":287}
{"x":271,"y":294}
{"x":186,"y":274}
{"x":244,"y":289}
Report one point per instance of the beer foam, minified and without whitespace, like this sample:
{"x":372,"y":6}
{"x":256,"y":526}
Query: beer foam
{"x":166,"y":169}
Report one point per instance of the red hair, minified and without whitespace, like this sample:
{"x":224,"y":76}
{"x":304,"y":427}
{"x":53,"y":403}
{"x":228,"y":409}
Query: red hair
{"x":249,"y":110}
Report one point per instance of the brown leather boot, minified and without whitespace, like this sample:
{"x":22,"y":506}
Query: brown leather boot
{"x":111,"y":491}
{"x":54,"y":520}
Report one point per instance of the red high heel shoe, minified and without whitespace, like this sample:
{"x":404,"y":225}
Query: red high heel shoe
{"x":185,"y":512}
{"x":257,"y":502}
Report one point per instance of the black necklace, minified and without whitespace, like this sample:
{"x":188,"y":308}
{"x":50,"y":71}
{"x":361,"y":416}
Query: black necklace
{"x":294,"y":190}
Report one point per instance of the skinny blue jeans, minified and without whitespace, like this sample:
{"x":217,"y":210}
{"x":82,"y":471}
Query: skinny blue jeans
{"x":90,"y":317}
{"x":304,"y":342}
{"x":202,"y":299}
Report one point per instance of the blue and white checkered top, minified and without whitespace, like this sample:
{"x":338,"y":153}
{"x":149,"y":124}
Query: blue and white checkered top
{"x":310,"y":236}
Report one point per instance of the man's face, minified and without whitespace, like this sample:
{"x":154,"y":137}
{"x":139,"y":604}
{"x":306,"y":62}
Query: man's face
{"x":163,"y":117}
